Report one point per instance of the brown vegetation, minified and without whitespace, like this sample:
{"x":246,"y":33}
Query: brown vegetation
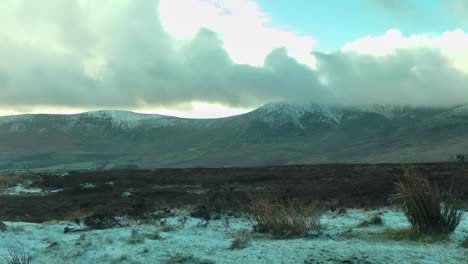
{"x":426,"y":208}
{"x":285,"y":219}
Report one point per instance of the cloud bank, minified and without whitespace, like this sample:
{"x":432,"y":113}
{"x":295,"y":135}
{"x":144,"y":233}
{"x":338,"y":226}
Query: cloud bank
{"x":117,"y":54}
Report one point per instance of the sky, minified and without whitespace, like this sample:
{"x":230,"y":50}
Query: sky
{"x":214,"y":58}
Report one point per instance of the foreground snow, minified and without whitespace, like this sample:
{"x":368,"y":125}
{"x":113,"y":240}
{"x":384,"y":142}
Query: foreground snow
{"x":341,"y":242}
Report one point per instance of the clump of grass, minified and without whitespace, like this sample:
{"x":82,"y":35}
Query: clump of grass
{"x":168,"y":228}
{"x":186,"y":259}
{"x":409,"y":234}
{"x":285,"y":220}
{"x":374,"y":220}
{"x":136,"y":238}
{"x":239,"y":243}
{"x":424,"y":206}
{"x":155,"y":235}
{"x":102,"y":220}
{"x":16,"y":254}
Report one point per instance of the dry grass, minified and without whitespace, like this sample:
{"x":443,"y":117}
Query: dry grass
{"x":16,"y":254}
{"x":424,"y":205}
{"x":242,"y":240}
{"x":375,"y":220}
{"x":186,"y":259}
{"x":408,"y":234}
{"x":285,"y":220}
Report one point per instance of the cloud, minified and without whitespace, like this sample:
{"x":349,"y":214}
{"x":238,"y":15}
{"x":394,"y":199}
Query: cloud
{"x":117,"y":54}
{"x":407,"y":76}
{"x":245,"y":30}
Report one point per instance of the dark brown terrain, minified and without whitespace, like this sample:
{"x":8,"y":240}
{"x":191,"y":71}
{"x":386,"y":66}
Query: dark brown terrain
{"x":354,"y":185}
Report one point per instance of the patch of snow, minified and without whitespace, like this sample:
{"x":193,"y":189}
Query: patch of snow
{"x":127,"y":119}
{"x":15,"y":118}
{"x":88,"y":185}
{"x":275,"y":113}
{"x":461,"y":111}
{"x":48,"y":244}
{"x":24,"y":189}
{"x":389,"y":111}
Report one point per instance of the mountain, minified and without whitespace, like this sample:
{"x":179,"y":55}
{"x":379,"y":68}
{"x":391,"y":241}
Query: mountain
{"x":274,"y":134}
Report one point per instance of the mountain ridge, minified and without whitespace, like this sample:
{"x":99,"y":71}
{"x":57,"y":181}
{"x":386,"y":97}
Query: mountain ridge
{"x":274,"y":134}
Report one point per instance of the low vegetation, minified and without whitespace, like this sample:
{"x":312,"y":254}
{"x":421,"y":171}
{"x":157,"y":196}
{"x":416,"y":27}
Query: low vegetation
{"x":186,"y":259}
{"x":136,"y":237}
{"x":464,"y":243}
{"x":425,"y":207}
{"x":102,"y":220}
{"x":285,"y":219}
{"x":409,"y":234}
{"x":375,"y":220}
{"x":17,"y":254}
{"x":241,"y":241}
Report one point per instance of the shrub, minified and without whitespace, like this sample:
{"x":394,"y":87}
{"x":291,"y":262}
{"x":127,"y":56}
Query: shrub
{"x":285,"y":220}
{"x":16,"y":254}
{"x":424,"y":206}
{"x":102,"y":220}
{"x":201,"y":211}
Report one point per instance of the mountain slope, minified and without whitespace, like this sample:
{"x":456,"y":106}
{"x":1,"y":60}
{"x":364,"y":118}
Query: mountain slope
{"x":275,"y":134}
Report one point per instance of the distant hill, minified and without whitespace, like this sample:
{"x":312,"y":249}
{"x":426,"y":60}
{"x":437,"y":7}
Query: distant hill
{"x":275,"y":134}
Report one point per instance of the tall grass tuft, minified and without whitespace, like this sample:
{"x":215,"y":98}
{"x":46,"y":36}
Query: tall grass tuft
{"x":286,"y":219}
{"x":425,"y":207}
{"x":16,"y":254}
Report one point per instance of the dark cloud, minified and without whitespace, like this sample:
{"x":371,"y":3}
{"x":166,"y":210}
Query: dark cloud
{"x":409,"y":76}
{"x":141,"y":64}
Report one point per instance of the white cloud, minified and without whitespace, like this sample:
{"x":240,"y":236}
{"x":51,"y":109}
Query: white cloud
{"x":243,"y":28}
{"x":116,"y":54}
{"x":452,"y":44}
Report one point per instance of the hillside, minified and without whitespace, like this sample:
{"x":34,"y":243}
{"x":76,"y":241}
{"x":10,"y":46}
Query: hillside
{"x":275,"y":134}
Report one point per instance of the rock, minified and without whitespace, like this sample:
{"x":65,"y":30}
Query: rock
{"x":125,"y":195}
{"x":3,"y":227}
{"x":71,"y":229}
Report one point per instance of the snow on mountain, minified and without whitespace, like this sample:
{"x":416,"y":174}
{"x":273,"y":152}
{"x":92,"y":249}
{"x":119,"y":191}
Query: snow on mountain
{"x":389,"y":111}
{"x":298,"y":113}
{"x":127,"y":119}
{"x":461,"y":111}
{"x":15,"y":119}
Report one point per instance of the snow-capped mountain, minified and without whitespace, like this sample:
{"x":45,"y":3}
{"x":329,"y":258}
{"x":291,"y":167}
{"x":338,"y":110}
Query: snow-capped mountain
{"x":301,"y":114}
{"x":274,"y":134}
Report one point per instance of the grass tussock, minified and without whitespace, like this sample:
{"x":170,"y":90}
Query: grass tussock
{"x":375,"y":220}
{"x":239,"y":243}
{"x":242,"y":240}
{"x":136,"y":238}
{"x":17,"y":254}
{"x":425,"y":207}
{"x":287,"y":219}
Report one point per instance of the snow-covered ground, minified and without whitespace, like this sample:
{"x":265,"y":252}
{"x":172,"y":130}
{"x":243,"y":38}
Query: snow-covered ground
{"x":341,"y":242}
